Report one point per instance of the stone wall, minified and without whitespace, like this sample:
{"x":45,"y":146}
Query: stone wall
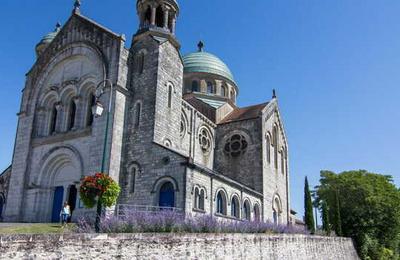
{"x":175,"y":246}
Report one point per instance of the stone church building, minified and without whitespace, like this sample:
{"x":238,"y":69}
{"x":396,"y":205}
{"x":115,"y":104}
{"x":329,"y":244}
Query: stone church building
{"x":175,"y":139}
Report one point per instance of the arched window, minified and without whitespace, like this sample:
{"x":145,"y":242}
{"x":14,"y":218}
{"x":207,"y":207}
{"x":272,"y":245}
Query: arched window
{"x":139,"y":60}
{"x":137,"y":114}
{"x":90,"y":103}
{"x":53,"y":120}
{"x":199,"y":196}
{"x":221,"y":203}
{"x":159,"y":17}
{"x":202,"y":198}
{"x":257,"y":216}
{"x":268,"y":149}
{"x":246,"y":210}
{"x":71,"y":115}
{"x":170,"y":90}
{"x":283,"y":161}
{"x":195,"y":86}
{"x":133,"y":179}
{"x":210,"y":87}
{"x":233,"y":95}
{"x":275,"y":142}
{"x":235,"y":209}
{"x":167,"y":196}
{"x":196,"y":198}
{"x":277,"y":210}
{"x":223,"y":90}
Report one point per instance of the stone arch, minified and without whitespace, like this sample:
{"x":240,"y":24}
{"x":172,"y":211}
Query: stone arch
{"x":54,"y":159}
{"x":60,"y":167}
{"x":82,"y":48}
{"x":160,"y":181}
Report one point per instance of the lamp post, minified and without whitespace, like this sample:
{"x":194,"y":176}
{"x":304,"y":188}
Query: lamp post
{"x":97,"y":111}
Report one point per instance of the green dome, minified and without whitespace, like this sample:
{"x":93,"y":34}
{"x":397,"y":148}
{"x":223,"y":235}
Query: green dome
{"x":207,"y":63}
{"x":47,"y":39}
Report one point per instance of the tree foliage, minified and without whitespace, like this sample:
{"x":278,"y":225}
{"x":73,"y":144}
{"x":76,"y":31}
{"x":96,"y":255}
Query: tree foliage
{"x":326,"y":225}
{"x":308,"y":208}
{"x":366,"y":207}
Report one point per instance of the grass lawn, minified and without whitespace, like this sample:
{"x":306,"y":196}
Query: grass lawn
{"x":35,"y":229}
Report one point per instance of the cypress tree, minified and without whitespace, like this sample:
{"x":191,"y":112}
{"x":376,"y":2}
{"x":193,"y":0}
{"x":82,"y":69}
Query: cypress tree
{"x":338,"y":221}
{"x":308,"y":208}
{"x":326,"y":226}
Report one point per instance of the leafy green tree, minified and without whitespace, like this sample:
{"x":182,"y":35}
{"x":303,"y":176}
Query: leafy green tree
{"x":366,"y":206}
{"x":326,"y":225}
{"x":338,"y":219}
{"x":308,"y":208}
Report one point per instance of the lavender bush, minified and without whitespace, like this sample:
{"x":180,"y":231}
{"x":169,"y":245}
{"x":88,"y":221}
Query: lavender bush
{"x":169,"y":221}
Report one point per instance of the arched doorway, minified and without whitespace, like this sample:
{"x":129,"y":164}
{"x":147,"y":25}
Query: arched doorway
{"x":167,"y":196}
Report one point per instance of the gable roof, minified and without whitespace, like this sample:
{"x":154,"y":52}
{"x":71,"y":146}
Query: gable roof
{"x":201,"y":106}
{"x":244,"y":113}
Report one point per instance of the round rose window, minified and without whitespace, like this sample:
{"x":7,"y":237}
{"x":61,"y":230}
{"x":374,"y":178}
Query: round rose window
{"x":236,"y":145}
{"x":205,"y":140}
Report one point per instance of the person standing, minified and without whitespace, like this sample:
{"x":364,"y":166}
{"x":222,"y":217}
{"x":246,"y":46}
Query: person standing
{"x":65,"y":213}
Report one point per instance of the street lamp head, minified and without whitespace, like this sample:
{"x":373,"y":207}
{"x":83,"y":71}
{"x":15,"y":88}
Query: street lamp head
{"x":97,"y":109}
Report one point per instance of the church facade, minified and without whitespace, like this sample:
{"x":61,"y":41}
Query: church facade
{"x":175,"y":139}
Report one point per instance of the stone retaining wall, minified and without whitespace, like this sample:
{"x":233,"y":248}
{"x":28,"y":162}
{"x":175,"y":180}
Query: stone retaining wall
{"x":175,"y":246}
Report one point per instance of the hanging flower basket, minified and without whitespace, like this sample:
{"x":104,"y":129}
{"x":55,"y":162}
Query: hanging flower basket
{"x":99,"y":187}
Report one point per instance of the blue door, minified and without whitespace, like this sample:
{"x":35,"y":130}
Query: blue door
{"x":57,"y":204}
{"x":167,"y":195}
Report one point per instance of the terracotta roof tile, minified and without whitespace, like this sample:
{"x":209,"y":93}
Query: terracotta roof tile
{"x":244,"y":113}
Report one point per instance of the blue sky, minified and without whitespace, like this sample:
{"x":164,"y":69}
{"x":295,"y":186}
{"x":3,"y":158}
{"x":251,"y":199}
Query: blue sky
{"x":335,"y":65}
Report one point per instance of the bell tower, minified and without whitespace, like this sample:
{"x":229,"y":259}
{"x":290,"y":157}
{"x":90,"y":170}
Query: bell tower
{"x":157,"y":15}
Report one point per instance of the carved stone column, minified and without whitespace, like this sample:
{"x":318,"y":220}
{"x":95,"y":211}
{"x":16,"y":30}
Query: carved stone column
{"x":153,"y":15}
{"x":166,"y":15}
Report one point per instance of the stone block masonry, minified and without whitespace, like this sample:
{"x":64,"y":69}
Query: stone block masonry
{"x":175,"y":246}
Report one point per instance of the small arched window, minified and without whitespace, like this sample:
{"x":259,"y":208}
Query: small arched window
{"x":202,"y":198}
{"x":268,"y":149}
{"x":235,"y":209}
{"x":233,"y":95}
{"x":246,"y":210}
{"x":170,"y":92}
{"x":283,"y":161}
{"x":196,"y":198}
{"x":53,"y":120}
{"x":140,"y":63}
{"x":71,"y":115}
{"x":223,"y":90}
{"x":277,"y":210}
{"x":257,"y":216}
{"x":221,"y":203}
{"x":210,"y":87}
{"x":137,"y":114}
{"x":195,"y":86}
{"x":133,"y":179}
{"x":90,"y":103}
{"x":275,"y":143}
